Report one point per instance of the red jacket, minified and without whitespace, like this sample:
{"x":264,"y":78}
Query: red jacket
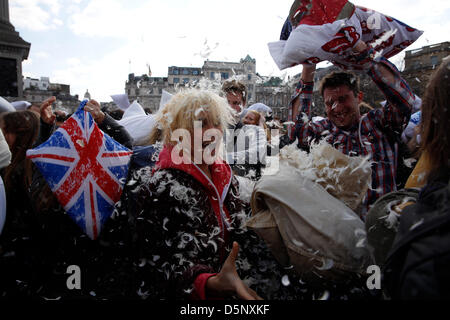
{"x":217,"y":189}
{"x":178,"y":223}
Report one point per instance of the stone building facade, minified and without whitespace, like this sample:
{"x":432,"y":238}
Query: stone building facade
{"x":275,"y":93}
{"x":36,"y":91}
{"x":183,"y":75}
{"x":421,"y":63}
{"x":244,"y":71}
{"x":147,"y":90}
{"x":13,"y":50}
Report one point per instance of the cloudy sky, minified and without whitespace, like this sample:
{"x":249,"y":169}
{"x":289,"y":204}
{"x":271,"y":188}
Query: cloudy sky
{"x":95,"y":44}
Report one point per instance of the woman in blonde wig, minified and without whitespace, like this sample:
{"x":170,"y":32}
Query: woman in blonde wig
{"x":186,"y":216}
{"x":187,"y":206}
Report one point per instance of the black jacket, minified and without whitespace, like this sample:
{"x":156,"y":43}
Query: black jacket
{"x":40,"y":241}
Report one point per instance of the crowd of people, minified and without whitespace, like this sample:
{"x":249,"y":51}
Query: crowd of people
{"x":179,"y":230}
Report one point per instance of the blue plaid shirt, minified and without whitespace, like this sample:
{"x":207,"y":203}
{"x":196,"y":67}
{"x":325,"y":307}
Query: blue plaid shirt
{"x":370,"y":136}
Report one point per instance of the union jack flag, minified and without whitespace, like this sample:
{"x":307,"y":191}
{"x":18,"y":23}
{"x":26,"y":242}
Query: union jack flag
{"x":85,"y":168}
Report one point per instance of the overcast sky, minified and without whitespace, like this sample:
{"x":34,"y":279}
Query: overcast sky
{"x":95,"y":44}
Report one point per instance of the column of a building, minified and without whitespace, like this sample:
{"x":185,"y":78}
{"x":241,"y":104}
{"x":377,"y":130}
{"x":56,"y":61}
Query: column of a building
{"x":4,"y":10}
{"x":13,"y":47}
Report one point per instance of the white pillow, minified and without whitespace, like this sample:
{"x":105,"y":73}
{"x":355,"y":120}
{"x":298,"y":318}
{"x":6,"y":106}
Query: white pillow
{"x":20,"y":105}
{"x":304,"y":226}
{"x":334,"y":41}
{"x":5,"y":106}
{"x":165,"y":98}
{"x":121,"y":100}
{"x":138,"y":123}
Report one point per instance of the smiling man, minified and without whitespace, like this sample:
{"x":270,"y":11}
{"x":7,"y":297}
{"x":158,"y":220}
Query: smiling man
{"x":345,"y":128}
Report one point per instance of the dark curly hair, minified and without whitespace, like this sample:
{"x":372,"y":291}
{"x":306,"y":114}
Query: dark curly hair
{"x":340,"y":78}
{"x":236,"y":87}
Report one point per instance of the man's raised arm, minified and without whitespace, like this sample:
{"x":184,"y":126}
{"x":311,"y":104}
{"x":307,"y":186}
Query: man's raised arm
{"x":301,"y":103}
{"x":399,"y":96}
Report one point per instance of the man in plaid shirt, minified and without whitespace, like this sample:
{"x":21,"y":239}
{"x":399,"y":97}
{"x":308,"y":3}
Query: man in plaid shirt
{"x":345,"y":128}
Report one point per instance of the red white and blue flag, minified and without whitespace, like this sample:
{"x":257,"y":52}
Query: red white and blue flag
{"x":85,"y":168}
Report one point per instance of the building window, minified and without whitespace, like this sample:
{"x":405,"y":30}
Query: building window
{"x":417,"y":65}
{"x":225,"y":75}
{"x":160,"y":90}
{"x":176,"y":80}
{"x":185,"y":71}
{"x":175,"y":71}
{"x":249,"y":77}
{"x":212,"y":75}
{"x":185,"y":80}
{"x":434,"y":60}
{"x":195,"y":72}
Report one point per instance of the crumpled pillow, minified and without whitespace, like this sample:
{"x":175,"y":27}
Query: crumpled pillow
{"x":5,"y":106}
{"x":20,"y":105}
{"x":308,"y":229}
{"x":334,"y":40}
{"x":138,"y":124}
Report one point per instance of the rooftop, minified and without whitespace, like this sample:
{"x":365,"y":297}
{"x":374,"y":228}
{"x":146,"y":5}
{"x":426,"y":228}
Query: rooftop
{"x":443,"y":46}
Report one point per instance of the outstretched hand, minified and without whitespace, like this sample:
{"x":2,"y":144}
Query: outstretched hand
{"x":93,"y":107}
{"x":228,"y":283}
{"x":360,"y":46}
{"x":46,"y":111}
